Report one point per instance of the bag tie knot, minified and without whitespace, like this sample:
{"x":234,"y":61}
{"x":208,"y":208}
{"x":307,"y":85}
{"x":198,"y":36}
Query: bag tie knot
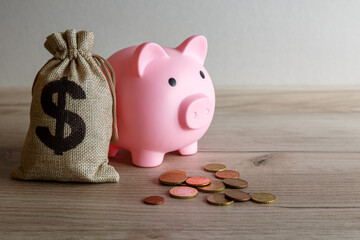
{"x":71,"y":54}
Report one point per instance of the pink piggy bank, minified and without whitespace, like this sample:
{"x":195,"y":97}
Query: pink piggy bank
{"x":165,"y":99}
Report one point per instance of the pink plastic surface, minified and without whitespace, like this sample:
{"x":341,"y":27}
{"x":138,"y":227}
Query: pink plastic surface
{"x":155,"y":116}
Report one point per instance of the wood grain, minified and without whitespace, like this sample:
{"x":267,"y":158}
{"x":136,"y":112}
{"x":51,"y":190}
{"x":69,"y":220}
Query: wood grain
{"x":301,"y":144}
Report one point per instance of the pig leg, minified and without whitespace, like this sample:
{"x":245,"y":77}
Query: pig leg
{"x":144,"y":158}
{"x":112,"y":151}
{"x":189,"y":150}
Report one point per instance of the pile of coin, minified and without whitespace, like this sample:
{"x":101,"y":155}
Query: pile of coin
{"x":188,"y":187}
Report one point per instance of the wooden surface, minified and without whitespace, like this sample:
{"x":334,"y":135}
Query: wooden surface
{"x":301,"y":144}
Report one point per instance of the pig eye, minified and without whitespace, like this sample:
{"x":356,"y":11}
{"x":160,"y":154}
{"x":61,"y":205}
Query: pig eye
{"x":202,"y":74}
{"x":172,"y":82}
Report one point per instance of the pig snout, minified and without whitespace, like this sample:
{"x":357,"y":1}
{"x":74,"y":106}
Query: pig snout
{"x":196,"y":111}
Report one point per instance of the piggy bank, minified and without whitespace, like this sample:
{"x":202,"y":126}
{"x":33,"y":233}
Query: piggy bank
{"x":165,"y":99}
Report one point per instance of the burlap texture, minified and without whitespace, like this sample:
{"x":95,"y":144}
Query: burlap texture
{"x":66,"y":159}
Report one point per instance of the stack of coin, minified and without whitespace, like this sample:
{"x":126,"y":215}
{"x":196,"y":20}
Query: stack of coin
{"x":221,"y":199}
{"x":188,"y":187}
{"x":231,"y":179}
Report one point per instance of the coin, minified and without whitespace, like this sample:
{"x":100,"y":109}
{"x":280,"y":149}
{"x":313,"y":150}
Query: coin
{"x":237,"y":195}
{"x":235,"y":183}
{"x":215,"y":186}
{"x":227,"y":174}
{"x":265,"y":198}
{"x":154,"y":200}
{"x":218,"y":199}
{"x":173,"y":177}
{"x":183,"y":192}
{"x":214,"y":167}
{"x":198,"y":181}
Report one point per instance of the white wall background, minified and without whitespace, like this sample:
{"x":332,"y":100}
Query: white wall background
{"x":278,"y":42}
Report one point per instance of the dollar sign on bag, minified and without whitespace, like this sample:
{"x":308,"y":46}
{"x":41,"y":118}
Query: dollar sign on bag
{"x":59,"y":143}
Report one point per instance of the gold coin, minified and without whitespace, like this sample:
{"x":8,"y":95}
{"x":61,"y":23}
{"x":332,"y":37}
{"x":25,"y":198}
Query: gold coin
{"x":219,"y":199}
{"x":215,"y":186}
{"x":265,"y":198}
{"x":183,"y":192}
{"x":227,"y":174}
{"x":235,"y":183}
{"x":214,"y":167}
{"x":198,"y":181}
{"x":237,"y":195}
{"x":173,"y":177}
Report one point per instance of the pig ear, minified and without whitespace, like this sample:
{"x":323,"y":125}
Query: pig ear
{"x":146,"y":53}
{"x":195,"y":46}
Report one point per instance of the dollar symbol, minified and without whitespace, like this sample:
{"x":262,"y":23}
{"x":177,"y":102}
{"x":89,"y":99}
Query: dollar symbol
{"x":59,"y":143}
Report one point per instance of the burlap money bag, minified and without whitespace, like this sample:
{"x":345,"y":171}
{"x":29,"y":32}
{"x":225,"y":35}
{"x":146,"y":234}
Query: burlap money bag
{"x":71,"y":115}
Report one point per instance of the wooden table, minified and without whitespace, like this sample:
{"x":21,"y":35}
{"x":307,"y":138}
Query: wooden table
{"x":301,"y":144}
